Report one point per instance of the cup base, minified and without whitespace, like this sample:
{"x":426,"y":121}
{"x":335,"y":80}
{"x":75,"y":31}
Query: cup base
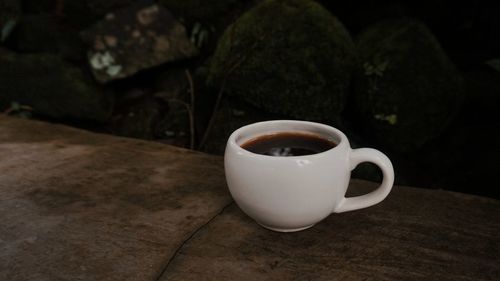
{"x":286,"y":229}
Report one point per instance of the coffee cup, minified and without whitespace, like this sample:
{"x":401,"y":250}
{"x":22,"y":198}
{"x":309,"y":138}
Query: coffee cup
{"x":289,"y":193}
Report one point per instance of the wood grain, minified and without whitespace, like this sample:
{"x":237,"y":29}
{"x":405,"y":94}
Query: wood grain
{"x":76,"y":205}
{"x":81,"y":206}
{"x":415,"y":234}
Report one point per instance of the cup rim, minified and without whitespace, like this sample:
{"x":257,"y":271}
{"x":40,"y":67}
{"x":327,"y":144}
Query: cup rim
{"x":342,"y":139}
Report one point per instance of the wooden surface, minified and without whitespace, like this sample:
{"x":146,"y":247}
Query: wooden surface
{"x":414,"y":235}
{"x":81,"y":206}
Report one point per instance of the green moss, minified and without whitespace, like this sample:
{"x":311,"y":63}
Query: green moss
{"x":418,"y":84}
{"x":233,"y":114}
{"x":286,"y":57}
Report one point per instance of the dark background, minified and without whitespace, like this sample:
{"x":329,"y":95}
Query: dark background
{"x":44,"y":63}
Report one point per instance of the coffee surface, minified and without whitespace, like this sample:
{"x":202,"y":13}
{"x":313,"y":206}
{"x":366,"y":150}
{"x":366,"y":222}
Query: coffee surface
{"x":288,"y":144}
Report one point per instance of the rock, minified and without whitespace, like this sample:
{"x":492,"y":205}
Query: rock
{"x":409,"y":90}
{"x":9,"y":14}
{"x":135,"y":38}
{"x":287,"y":57}
{"x":231,"y":115}
{"x":43,"y":33}
{"x":51,"y":87}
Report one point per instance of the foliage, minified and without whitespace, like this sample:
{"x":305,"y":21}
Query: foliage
{"x":17,"y":109}
{"x":7,"y":29}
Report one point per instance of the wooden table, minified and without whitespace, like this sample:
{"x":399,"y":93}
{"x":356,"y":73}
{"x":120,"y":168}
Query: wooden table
{"x":76,"y":205}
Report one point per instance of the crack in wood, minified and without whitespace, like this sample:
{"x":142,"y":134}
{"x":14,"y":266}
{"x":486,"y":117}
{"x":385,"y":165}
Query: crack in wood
{"x":178,"y":250}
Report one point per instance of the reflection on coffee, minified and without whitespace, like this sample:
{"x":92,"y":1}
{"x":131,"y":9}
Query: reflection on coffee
{"x":288,"y":144}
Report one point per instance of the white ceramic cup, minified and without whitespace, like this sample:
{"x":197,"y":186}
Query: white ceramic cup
{"x":292,"y":193}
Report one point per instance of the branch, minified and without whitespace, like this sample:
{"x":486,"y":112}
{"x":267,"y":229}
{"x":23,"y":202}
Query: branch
{"x":191,"y":122}
{"x":191,"y":109}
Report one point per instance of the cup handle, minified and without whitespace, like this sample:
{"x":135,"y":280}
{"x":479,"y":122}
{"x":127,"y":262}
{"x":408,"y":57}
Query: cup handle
{"x":378,"y":158}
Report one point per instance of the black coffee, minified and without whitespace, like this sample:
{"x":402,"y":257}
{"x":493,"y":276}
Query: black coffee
{"x":288,"y":144}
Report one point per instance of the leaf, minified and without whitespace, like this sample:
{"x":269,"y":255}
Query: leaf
{"x":7,"y":29}
{"x":202,"y":38}
{"x":196,"y":28}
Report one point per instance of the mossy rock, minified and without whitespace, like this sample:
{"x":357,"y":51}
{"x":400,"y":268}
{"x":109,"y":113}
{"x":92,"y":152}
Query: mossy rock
{"x":51,"y":87}
{"x":286,"y":57}
{"x":231,"y":115}
{"x":409,"y":90}
{"x":133,"y":39}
